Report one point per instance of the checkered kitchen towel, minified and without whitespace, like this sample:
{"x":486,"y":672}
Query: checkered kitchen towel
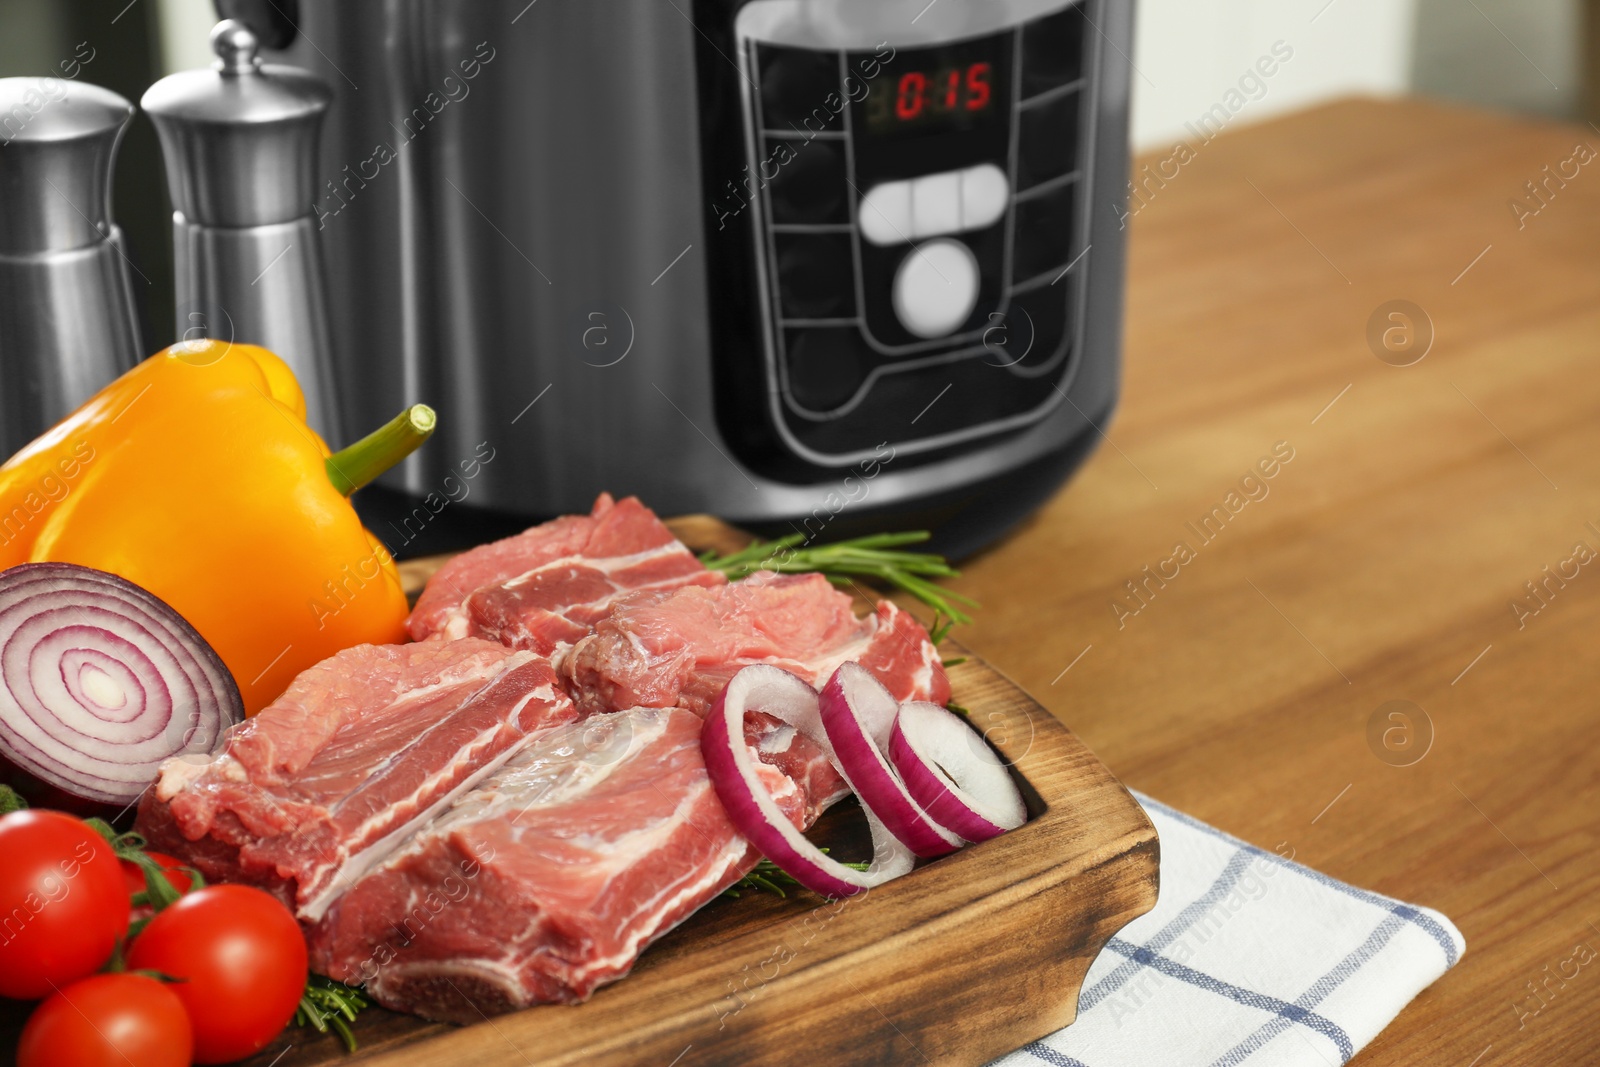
{"x":1250,"y":959}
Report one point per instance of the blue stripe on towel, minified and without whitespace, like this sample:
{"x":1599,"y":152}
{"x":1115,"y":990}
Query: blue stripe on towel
{"x":1049,"y":1055}
{"x":1179,"y":926}
{"x":1421,"y":919}
{"x":1319,"y":991}
{"x":1292,"y":1012}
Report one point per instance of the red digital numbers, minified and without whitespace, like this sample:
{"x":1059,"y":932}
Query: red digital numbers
{"x":913,"y":95}
{"x":954,"y":89}
{"x":977,"y":87}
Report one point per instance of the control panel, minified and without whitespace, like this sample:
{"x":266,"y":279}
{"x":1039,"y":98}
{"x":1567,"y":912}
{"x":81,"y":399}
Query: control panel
{"x":918,"y":221}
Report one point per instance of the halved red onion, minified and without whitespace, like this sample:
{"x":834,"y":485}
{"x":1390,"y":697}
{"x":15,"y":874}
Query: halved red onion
{"x":858,"y":714}
{"x":953,"y":773}
{"x":100,"y":681}
{"x":732,"y":769}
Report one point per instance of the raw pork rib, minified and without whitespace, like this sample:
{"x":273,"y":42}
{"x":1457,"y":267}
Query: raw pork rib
{"x":543,"y":589}
{"x":359,"y":752}
{"x":550,"y":878}
{"x":680,"y":647}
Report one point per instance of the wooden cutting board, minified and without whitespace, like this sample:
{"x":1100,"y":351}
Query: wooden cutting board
{"x":964,"y":959}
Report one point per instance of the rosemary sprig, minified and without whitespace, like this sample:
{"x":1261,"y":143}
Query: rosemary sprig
{"x":939,"y":628}
{"x":328,"y":1005}
{"x":771,"y":878}
{"x":880,"y":556}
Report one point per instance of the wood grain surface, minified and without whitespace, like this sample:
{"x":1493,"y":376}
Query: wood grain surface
{"x":1382,"y":564}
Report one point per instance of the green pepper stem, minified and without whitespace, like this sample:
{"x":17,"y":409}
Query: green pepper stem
{"x":356,"y":465}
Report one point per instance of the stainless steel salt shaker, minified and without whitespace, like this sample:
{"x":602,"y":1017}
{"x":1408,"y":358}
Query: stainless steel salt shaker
{"x":240,"y":143}
{"x":67,"y":320}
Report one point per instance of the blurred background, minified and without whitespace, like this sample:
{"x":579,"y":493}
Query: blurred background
{"x":1193,"y":59}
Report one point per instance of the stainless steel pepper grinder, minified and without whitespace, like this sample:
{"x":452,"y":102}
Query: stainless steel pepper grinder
{"x":240,"y":143}
{"x":67,"y":321}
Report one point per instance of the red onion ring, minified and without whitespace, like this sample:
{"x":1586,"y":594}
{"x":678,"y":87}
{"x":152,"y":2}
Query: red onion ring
{"x":731,"y":767}
{"x":859,"y":714}
{"x":100,"y":681}
{"x":953,"y":773}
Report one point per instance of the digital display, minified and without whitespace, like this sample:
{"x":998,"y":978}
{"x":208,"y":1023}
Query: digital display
{"x":928,"y":96}
{"x":956,"y":87}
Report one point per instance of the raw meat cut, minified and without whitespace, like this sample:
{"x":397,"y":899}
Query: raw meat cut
{"x":798,"y":757}
{"x":359,"y":752}
{"x":630,"y":617}
{"x":680,"y":647}
{"x":543,"y":589}
{"x":551,"y":877}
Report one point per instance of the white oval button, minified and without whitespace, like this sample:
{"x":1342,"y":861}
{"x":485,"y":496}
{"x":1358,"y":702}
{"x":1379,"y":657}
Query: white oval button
{"x":951,"y":201}
{"x":985,"y":191}
{"x":885,"y":213}
{"x":936,"y":204}
{"x":935,"y":287}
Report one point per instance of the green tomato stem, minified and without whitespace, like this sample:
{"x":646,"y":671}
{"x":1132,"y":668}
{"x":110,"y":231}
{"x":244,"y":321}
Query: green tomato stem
{"x":11,"y":800}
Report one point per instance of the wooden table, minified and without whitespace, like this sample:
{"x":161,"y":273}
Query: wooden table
{"x":1384,"y":559}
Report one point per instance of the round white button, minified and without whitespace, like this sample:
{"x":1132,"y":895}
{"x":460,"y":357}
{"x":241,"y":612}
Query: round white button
{"x":936,"y":287}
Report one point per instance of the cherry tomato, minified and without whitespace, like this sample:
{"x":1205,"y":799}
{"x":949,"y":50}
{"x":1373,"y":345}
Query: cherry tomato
{"x":133,"y":874}
{"x":244,"y":964}
{"x":63,"y":903}
{"x":108,"y":1020}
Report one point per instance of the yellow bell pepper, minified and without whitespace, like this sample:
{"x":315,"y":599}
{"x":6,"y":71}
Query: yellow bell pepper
{"x":195,"y":476}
